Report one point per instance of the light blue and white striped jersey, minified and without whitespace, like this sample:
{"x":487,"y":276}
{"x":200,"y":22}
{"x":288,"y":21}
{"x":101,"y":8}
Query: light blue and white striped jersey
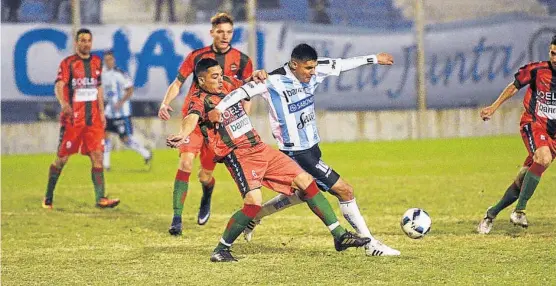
{"x":114,"y":83}
{"x":292,"y":105}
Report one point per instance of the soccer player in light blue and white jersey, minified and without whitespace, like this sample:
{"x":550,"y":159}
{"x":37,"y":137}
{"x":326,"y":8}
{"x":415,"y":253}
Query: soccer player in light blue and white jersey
{"x":118,"y":89}
{"x":289,"y":92}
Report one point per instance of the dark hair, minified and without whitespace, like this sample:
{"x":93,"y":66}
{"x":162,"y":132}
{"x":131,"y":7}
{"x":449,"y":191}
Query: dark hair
{"x":83,"y":31}
{"x":553,"y":40}
{"x":221,"y":18}
{"x":304,"y":52}
{"x":203,"y":65}
{"x":108,"y":53}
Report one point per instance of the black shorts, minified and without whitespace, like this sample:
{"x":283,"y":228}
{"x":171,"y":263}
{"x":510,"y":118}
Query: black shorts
{"x":121,"y":126}
{"x":310,"y":161}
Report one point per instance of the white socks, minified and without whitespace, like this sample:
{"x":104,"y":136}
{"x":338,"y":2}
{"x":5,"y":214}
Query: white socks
{"x":107,"y":149}
{"x":351,"y":213}
{"x":278,"y":203}
{"x":134,"y":145}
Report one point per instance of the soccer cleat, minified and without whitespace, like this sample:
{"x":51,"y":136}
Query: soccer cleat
{"x":175,"y":228}
{"x":377,"y":248}
{"x":105,"y":202}
{"x":350,"y":239}
{"x":149,"y":160}
{"x":204,"y":209}
{"x":485,"y":226}
{"x":222,"y":255}
{"x":248,"y":231}
{"x":519,"y":218}
{"x":47,"y":203}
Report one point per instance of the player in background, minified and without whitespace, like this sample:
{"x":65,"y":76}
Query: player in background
{"x":118,"y":89}
{"x":234,"y":64}
{"x":251,"y":162}
{"x":538,"y":131}
{"x":78,"y":89}
{"x":289,"y":92}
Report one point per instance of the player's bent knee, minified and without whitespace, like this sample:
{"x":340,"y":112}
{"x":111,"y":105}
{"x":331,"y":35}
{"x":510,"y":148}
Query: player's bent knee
{"x":186,"y":164}
{"x":303,"y":180}
{"x":205,"y":176}
{"x":253,"y":197}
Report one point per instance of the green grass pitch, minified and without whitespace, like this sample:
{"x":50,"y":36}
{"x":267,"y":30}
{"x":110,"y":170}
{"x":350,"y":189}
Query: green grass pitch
{"x":454,"y":180}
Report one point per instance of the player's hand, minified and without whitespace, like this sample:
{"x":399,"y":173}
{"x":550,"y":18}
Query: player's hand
{"x":259,"y":76}
{"x":164,"y":112}
{"x":67,"y":110}
{"x":487,"y":112}
{"x":175,"y":140}
{"x":385,"y":59}
{"x":215,"y":115}
{"x":118,"y":105}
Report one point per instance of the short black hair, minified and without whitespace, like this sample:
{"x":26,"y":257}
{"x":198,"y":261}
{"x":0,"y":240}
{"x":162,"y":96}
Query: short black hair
{"x":83,"y":31}
{"x":221,"y":18}
{"x":108,"y":53}
{"x":553,"y":40}
{"x":304,"y":52}
{"x":203,"y":65}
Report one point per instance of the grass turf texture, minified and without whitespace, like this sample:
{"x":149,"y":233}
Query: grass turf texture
{"x":454,"y":180}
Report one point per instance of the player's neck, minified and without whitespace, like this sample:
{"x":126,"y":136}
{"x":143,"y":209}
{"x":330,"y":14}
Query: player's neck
{"x":83,"y":56}
{"x":214,"y":48}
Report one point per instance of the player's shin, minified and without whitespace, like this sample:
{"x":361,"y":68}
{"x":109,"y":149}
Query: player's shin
{"x":97,"y":175}
{"x":137,"y":147}
{"x":509,"y":197}
{"x":279,"y":203}
{"x":351,"y":213}
{"x":321,"y":207}
{"x":238,"y":222}
{"x":181,"y":184}
{"x":106,"y":155}
{"x":53,"y":175}
{"x":530,"y":182}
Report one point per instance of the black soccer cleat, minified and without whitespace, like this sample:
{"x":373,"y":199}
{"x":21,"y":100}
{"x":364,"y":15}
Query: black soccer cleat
{"x":204,"y":209}
{"x":222,"y":255}
{"x":175,"y":228}
{"x":350,"y":239}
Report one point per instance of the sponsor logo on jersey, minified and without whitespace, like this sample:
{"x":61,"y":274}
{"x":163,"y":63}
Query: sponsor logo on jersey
{"x":84,"y":82}
{"x":233,"y":67}
{"x":302,"y":104}
{"x":305,"y":118}
{"x":548,"y":97}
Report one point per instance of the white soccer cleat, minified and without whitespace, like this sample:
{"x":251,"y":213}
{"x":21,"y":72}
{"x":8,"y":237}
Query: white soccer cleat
{"x":248,"y":231}
{"x":485,"y":226}
{"x":377,"y":248}
{"x":519,"y":218}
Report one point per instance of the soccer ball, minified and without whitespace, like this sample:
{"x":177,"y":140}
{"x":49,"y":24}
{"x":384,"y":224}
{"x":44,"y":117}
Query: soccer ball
{"x":416,"y":223}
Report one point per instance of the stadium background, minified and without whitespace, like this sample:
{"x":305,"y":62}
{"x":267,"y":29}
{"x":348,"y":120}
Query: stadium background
{"x":471,"y":51}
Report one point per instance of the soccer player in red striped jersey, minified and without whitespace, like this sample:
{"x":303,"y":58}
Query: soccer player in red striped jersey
{"x":234,"y":64}
{"x":78,"y":89}
{"x":538,"y":131}
{"x":251,"y":162}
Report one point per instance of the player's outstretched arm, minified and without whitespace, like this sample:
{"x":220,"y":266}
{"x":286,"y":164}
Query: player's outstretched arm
{"x":355,"y":62}
{"x":246,"y":91}
{"x":188,"y":124}
{"x":507,"y":93}
{"x":171,"y":93}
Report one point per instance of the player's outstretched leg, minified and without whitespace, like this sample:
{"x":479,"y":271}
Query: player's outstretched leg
{"x":134,"y":145}
{"x":53,"y":175}
{"x":236,"y":225}
{"x":207,"y":183}
{"x":278,"y":203}
{"x":343,"y":239}
{"x":181,"y":185}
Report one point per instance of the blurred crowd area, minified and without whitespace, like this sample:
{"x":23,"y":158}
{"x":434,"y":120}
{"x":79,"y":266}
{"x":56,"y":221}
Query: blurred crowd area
{"x":358,"y":13}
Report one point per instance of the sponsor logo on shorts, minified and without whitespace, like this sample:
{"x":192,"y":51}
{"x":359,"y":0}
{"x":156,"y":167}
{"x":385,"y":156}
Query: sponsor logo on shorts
{"x":254,"y":174}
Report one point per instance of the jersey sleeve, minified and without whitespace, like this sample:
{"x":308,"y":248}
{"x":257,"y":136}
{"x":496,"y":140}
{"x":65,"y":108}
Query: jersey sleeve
{"x":186,"y":68}
{"x":196,"y":106}
{"x":125,"y":80}
{"x":523,"y":76}
{"x":327,"y":67}
{"x":63,"y":72}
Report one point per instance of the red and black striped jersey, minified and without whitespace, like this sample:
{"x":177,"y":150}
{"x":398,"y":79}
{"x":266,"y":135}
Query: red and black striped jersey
{"x":234,"y":64}
{"x":82,"y":77}
{"x":540,"y":98}
{"x":235,"y":131}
